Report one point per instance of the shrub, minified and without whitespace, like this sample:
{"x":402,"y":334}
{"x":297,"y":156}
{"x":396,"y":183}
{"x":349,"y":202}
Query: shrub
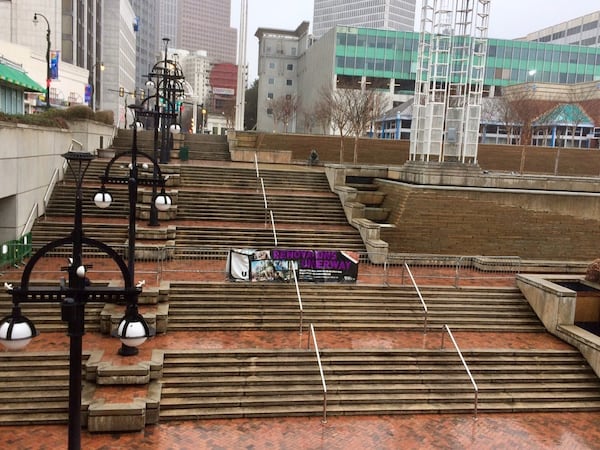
{"x":593,"y":271}
{"x":58,"y":118}
{"x":107,"y":117}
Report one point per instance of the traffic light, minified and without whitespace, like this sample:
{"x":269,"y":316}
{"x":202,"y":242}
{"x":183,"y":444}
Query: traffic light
{"x":121,"y":92}
{"x":192,"y":126}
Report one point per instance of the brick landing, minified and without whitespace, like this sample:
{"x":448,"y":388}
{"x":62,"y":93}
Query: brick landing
{"x":489,"y":431}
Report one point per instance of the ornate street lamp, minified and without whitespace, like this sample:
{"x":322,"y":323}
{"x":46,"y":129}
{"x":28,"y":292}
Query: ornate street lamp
{"x":48,"y":71}
{"x":166,"y":78}
{"x":16,"y":330}
{"x":161,"y":202}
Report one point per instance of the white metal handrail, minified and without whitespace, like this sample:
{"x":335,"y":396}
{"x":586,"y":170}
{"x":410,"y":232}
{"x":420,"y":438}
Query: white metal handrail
{"x":314,"y":337}
{"x":447,"y":329}
{"x":264,"y":193}
{"x":30,"y":219}
{"x":50,"y":188}
{"x":420,"y":296}
{"x":299,"y":299}
{"x":76,"y":142}
{"x":273,"y":225}
{"x":256,"y":165}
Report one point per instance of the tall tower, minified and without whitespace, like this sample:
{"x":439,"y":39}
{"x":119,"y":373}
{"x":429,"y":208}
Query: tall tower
{"x":449,"y":82}
{"x":241,"y":69}
{"x":204,"y":25}
{"x":384,"y":14}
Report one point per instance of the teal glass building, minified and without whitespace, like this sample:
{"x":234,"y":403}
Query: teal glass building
{"x":382,"y":55}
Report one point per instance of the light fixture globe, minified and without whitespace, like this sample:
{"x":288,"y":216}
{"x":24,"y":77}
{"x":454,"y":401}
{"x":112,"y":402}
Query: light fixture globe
{"x":16,"y":332}
{"x":163,"y":202}
{"x":103,"y":199}
{"x":133,"y":329}
{"x":175,"y":128}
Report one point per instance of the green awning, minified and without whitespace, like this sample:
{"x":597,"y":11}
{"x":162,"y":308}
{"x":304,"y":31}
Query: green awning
{"x":19,"y":78}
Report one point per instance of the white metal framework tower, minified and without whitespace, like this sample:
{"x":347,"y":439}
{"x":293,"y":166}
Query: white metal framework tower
{"x":449,"y":82}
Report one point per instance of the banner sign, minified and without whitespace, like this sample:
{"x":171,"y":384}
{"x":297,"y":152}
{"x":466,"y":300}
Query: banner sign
{"x":54,"y":58}
{"x":278,"y":265}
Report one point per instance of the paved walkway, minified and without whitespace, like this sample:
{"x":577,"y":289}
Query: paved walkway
{"x":488,"y":431}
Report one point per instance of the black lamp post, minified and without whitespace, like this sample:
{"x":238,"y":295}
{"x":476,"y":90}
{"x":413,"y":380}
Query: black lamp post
{"x":166,"y":81}
{"x":48,"y":71}
{"x":16,"y":330}
{"x":167,"y":78}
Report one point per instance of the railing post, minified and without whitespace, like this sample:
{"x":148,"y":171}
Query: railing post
{"x":385,"y":272}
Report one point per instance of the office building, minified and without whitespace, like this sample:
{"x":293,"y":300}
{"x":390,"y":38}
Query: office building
{"x":280,"y":53}
{"x":205,"y":26}
{"x":583,"y":30}
{"x":386,"y":60}
{"x":383,"y":14}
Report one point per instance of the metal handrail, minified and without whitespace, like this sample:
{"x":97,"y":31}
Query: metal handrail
{"x":76,"y":142}
{"x":266,"y":205}
{"x":273,"y":225}
{"x":256,"y":165}
{"x":446,"y":328}
{"x":262,"y":183}
{"x":420,"y":297}
{"x":32,"y":216}
{"x":50,"y":188}
{"x":299,"y":299}
{"x":314,"y":336}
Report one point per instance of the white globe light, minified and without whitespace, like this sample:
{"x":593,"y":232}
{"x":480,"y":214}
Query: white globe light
{"x":20,"y":335}
{"x":80,"y":271}
{"x":102,"y":199}
{"x":163,"y":202}
{"x":175,"y":128}
{"x":132,"y":334}
{"x":145,"y":166}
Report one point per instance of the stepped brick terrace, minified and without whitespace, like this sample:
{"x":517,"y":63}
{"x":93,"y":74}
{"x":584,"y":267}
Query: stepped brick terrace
{"x":537,"y":392}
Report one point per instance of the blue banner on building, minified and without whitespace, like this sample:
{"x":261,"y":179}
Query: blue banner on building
{"x":54,"y":58}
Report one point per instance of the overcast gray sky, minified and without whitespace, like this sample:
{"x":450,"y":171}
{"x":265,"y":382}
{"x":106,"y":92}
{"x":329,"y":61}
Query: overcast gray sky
{"x":509,"y":19}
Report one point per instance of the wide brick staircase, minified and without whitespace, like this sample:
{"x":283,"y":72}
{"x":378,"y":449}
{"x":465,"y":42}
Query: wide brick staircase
{"x":221,"y":207}
{"x":274,"y":307}
{"x":258,"y":383}
{"x":34,"y":387}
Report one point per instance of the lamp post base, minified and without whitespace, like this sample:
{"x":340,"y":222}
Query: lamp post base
{"x":126,"y":350}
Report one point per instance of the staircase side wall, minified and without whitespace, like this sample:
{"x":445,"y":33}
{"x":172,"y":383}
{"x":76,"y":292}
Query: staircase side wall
{"x":30,"y":156}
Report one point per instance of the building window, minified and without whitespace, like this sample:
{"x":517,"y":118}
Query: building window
{"x":288,"y":82}
{"x":269,"y":111}
{"x":271,"y":65}
{"x":294,"y":51}
{"x":270,"y":96}
{"x":271,"y":80}
{"x":290,"y":67}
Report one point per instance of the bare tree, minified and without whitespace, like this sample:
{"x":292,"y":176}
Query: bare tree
{"x":338,"y":108}
{"x":285,"y":108}
{"x":351,"y":112}
{"x":364,"y":107}
{"x":229,"y":112}
{"x":322,"y":111}
{"x":526,"y":108}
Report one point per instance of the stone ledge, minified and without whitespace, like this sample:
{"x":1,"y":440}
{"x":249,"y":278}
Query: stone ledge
{"x":109,"y":374}
{"x":111,"y":316}
{"x":105,"y":417}
{"x":105,"y":373}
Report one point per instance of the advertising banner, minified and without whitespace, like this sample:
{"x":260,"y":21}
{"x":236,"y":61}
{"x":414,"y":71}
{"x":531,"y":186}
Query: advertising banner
{"x":278,"y":264}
